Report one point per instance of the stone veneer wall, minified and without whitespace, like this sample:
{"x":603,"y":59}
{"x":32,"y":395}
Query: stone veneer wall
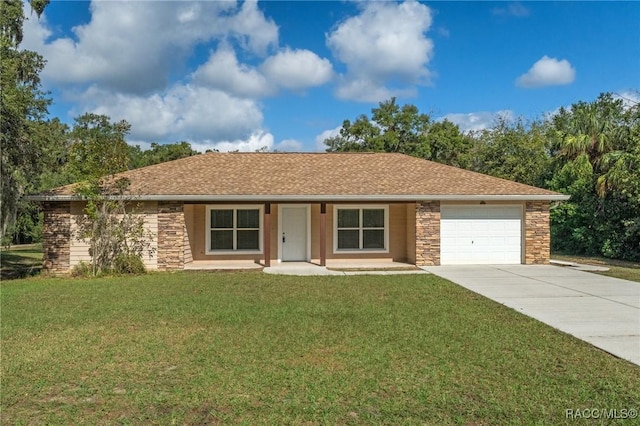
{"x":188,"y":257}
{"x":56,"y":237}
{"x":428,"y":233}
{"x":171,"y":234}
{"x":537,"y":233}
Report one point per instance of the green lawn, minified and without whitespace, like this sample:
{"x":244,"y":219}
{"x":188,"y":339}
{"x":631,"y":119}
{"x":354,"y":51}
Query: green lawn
{"x":617,"y":268}
{"x":249,"y":348}
{"x":20,"y":261}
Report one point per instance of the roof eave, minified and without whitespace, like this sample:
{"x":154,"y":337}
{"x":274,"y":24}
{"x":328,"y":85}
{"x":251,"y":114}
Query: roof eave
{"x":314,"y":198}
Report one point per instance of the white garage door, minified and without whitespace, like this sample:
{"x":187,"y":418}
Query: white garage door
{"x":480,"y":234}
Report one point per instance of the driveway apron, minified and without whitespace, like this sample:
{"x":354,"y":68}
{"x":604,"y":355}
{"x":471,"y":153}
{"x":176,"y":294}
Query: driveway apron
{"x":601,"y":310}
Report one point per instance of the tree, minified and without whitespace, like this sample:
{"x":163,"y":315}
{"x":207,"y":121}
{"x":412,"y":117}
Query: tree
{"x":403,"y":129}
{"x":113,"y":229}
{"x":597,"y":147}
{"x":27,"y":228}
{"x":515,"y":151}
{"x":115,"y":232}
{"x":22,"y":103}
{"x":448,"y":145}
{"x":98,"y":147}
{"x":391,"y":129}
{"x":159,"y":153}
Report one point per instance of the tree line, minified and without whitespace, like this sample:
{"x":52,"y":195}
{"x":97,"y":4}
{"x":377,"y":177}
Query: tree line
{"x":590,"y":151}
{"x":92,"y":148}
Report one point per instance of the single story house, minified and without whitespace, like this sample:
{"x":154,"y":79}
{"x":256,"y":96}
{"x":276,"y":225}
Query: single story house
{"x":314,"y":207}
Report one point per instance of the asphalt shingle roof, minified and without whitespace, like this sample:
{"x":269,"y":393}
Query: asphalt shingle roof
{"x":313,"y":174}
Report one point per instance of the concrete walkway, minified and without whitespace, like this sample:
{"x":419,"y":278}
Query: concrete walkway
{"x":306,"y":268}
{"x":600,"y":310}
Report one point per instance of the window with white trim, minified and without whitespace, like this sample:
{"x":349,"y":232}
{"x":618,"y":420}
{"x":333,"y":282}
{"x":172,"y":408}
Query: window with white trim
{"x":234,"y":229}
{"x":360,"y":228}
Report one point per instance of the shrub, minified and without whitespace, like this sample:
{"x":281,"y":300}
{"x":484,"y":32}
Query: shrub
{"x":128,"y":264}
{"x":82,"y":269}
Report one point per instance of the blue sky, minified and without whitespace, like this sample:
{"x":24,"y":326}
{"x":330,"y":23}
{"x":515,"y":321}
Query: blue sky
{"x":285,"y":74}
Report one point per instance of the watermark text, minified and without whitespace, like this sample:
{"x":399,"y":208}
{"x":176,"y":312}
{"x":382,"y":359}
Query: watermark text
{"x":601,"y":413}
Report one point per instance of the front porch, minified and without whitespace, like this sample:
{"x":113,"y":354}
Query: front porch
{"x":303,"y":232}
{"x":333,"y":267}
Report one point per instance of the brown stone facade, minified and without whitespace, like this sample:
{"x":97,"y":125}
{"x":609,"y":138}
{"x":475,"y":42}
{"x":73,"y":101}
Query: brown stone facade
{"x":171,"y":235}
{"x":427,"y":233}
{"x":537,"y":233}
{"x":56,"y":238}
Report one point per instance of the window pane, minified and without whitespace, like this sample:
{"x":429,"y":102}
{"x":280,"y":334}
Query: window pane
{"x":222,"y":218}
{"x":373,"y":239}
{"x":348,"y":239}
{"x":222,"y":240}
{"x":348,"y":218}
{"x":248,"y":218}
{"x":248,"y":240}
{"x":373,"y":218}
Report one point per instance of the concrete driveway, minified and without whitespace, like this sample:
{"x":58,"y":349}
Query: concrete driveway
{"x":601,"y":310}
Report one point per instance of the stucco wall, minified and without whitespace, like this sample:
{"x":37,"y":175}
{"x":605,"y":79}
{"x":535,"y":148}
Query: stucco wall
{"x":195,"y":219}
{"x":195,"y":216}
{"x":410,"y":211}
{"x":397,"y":235}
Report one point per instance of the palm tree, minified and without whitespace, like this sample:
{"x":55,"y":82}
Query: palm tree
{"x":592,"y":129}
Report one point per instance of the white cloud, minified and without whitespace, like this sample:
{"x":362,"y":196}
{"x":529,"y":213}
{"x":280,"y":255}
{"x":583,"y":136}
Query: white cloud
{"x":547,"y":72}
{"x":385,"y":42}
{"x":127,"y":45}
{"x":250,"y":25}
{"x":222,"y":71}
{"x":297,"y":69}
{"x":548,"y":115}
{"x":256,"y":141}
{"x":367,"y":90}
{"x":290,"y":69}
{"x":289,"y":145}
{"x":119,"y":63}
{"x":476,"y":121}
{"x":516,"y":9}
{"x":629,"y":98}
{"x":184,"y":112}
{"x":320,"y":145}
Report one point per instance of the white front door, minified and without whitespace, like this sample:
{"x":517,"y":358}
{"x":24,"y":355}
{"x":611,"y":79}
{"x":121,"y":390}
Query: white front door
{"x":293,"y":235}
{"x":481,"y":234}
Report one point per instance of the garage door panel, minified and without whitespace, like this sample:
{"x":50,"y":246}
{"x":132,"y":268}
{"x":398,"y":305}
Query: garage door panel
{"x":483,"y":243}
{"x":498,"y":241}
{"x":481,"y":234}
{"x":513,"y":241}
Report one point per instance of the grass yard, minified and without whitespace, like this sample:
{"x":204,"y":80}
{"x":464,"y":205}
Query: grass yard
{"x":249,"y":348}
{"x":617,"y":268}
{"x":20,"y":261}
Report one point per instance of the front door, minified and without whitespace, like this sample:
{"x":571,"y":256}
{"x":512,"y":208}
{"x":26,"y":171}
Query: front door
{"x":294,"y":233}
